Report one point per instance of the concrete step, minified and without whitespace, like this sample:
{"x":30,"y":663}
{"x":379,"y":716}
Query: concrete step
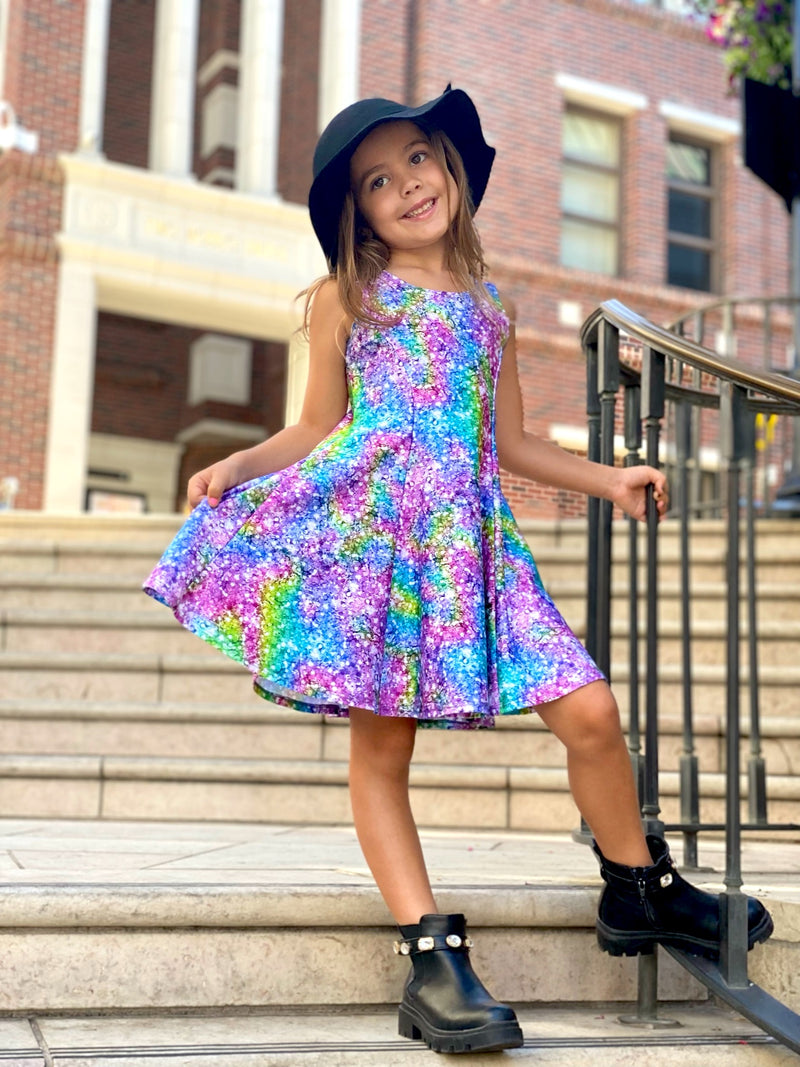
{"x":126,"y":915}
{"x":557,"y":1036}
{"x":46,"y":631}
{"x":260,"y":730}
{"x":556,"y":563}
{"x":152,"y":677}
{"x":122,"y":593}
{"x":301,"y":790}
{"x":542,"y":533}
{"x":217,"y":918}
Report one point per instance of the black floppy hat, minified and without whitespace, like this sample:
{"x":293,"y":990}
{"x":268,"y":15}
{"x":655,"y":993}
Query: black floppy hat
{"x":453,"y":112}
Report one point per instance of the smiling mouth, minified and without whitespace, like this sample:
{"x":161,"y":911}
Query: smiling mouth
{"x":421,"y":209}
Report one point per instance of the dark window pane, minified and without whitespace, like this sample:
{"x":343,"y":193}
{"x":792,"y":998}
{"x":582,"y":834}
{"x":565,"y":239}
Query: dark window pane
{"x":690,"y":267}
{"x":689,"y":214}
{"x":688,"y":163}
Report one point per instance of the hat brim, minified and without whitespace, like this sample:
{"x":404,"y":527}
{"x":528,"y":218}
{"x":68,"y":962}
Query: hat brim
{"x":453,"y":112}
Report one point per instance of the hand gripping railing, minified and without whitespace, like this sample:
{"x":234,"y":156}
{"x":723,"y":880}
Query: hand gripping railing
{"x":675,"y":370}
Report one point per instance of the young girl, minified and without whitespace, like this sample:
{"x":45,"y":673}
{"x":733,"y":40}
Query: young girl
{"x":364,"y":563}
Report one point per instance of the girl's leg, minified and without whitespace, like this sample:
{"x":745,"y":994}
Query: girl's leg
{"x":601,"y":779}
{"x":638,"y":908}
{"x":380,"y":754}
{"x":444,"y":1002}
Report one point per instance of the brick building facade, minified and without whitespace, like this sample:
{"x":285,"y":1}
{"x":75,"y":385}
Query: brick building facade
{"x":152,"y":243}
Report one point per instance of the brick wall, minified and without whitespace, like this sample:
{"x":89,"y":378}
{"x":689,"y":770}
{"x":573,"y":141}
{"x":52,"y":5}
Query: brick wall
{"x":42,"y":83}
{"x":218,"y":30}
{"x":142,"y":375}
{"x":507,"y":57}
{"x":126,"y":130}
{"x":299,"y":90}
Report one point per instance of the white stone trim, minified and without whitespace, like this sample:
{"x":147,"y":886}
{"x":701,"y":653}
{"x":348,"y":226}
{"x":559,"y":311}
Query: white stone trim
{"x":222,"y":59}
{"x":600,"y":96}
{"x":340,"y":49}
{"x":71,"y":388}
{"x":151,"y":468}
{"x":261,"y":37}
{"x":216,"y":174}
{"x":220,"y":368}
{"x":93,"y":76}
{"x":4,"y":9}
{"x":701,"y":124}
{"x":218,"y":119}
{"x":173,"y":89}
{"x":210,"y":430}
{"x":139,"y":243}
{"x":296,"y":378}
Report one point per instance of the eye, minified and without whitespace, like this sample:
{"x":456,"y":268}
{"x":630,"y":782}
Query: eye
{"x":418,"y":157}
{"x":378,"y":183}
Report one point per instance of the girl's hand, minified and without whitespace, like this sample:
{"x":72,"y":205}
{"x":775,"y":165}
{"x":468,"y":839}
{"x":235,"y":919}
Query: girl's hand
{"x":630,"y":491}
{"x":213,"y":481}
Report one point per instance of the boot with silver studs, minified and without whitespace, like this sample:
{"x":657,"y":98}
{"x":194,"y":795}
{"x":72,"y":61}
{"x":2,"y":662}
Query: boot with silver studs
{"x":641,"y":907}
{"x":444,"y":1002}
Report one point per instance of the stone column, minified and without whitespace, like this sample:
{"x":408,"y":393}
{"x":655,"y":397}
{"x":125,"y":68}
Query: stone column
{"x":260,"y":51}
{"x":93,"y":77}
{"x":296,"y":378}
{"x":340,"y":41}
{"x":71,"y":389}
{"x":173,"y":93}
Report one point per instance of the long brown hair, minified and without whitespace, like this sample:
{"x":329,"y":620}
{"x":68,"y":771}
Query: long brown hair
{"x":362,"y":255}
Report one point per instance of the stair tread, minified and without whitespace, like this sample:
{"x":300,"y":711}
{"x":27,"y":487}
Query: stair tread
{"x":349,"y":1037}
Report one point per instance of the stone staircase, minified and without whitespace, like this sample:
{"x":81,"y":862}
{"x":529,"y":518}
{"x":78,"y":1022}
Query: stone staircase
{"x":132,"y":932}
{"x":110,"y":709}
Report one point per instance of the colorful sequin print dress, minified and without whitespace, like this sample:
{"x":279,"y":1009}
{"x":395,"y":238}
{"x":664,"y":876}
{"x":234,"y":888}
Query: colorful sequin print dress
{"x":385,"y":570}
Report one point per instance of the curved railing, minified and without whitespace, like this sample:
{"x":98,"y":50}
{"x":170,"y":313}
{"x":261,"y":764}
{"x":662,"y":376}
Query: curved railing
{"x":664,"y":377}
{"x":772,"y":337}
{"x":759,"y":331}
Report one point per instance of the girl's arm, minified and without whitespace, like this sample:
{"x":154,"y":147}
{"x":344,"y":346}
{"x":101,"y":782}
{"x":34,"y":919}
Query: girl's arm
{"x":324,"y":405}
{"x":523,"y":454}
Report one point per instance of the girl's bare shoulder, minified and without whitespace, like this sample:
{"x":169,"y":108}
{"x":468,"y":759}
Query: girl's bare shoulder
{"x":508,"y":304}
{"x":327,"y":313}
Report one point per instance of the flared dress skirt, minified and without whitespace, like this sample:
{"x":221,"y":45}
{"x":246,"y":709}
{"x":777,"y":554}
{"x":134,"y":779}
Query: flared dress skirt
{"x":385,"y":570}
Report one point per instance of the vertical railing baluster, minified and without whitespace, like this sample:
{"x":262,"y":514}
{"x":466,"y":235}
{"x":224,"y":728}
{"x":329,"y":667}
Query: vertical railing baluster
{"x":593,"y":505}
{"x":689,"y":787}
{"x":653,"y":394}
{"x":696,"y":490}
{"x":608,"y":384}
{"x":733,"y":903}
{"x":584,"y":832}
{"x":652,"y":405}
{"x":756,"y":767}
{"x":633,"y":444}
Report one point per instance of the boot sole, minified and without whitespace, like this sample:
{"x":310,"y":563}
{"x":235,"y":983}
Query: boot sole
{"x":622,"y":943}
{"x":490,"y":1038}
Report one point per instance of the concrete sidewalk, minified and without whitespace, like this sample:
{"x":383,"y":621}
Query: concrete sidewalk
{"x":54,"y":854}
{"x":81,"y":852}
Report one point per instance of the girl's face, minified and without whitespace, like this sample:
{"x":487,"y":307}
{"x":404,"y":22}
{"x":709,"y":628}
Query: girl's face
{"x":407,"y":198}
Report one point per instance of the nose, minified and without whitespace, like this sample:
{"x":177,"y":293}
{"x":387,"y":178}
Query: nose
{"x":411,"y":184}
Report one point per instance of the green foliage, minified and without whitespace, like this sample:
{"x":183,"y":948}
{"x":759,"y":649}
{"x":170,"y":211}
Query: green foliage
{"x":756,"y":36}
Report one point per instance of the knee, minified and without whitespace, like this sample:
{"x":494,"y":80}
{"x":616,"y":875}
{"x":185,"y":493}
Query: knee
{"x":380,"y":745}
{"x":596,"y":724}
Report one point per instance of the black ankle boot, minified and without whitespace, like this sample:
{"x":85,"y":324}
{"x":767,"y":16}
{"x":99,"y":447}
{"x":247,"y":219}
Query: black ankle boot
{"x":444,"y":1003}
{"x":642,"y":907}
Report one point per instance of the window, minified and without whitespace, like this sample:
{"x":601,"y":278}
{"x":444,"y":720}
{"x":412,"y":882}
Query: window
{"x":691,"y":210}
{"x":678,"y":7}
{"x":590,"y":192}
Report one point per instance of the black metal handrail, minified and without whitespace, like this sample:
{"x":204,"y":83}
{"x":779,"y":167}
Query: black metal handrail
{"x":760,"y":330}
{"x":695,"y":322}
{"x":670,"y":370}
